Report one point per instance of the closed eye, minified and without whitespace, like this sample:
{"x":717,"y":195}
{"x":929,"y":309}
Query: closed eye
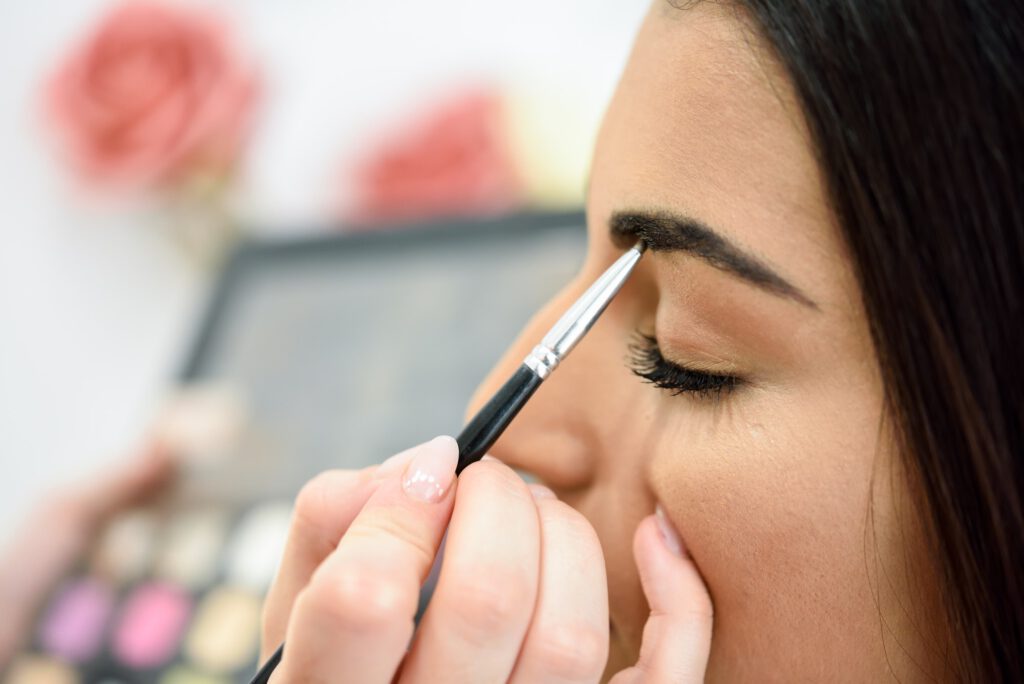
{"x":646,"y":362}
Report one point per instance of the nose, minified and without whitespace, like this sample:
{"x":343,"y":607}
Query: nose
{"x":559,"y":434}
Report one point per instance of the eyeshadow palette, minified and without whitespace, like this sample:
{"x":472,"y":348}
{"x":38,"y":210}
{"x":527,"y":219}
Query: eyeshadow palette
{"x":166,"y":596}
{"x":316,"y":353}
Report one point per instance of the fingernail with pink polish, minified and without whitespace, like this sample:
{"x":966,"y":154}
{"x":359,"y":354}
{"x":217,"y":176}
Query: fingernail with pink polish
{"x":668,"y":532}
{"x":432,"y":469}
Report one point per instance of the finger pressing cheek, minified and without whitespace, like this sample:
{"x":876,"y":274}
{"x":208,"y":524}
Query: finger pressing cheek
{"x":677,"y":635}
{"x":354,"y":620}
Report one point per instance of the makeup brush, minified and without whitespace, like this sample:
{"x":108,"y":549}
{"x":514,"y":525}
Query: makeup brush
{"x":490,"y":421}
{"x":483,"y":430}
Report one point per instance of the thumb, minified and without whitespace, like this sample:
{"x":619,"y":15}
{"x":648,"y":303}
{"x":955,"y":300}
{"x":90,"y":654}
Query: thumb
{"x":677,"y":636}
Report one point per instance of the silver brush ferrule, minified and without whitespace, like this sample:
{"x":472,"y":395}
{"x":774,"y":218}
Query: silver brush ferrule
{"x":582,"y":315}
{"x":542,"y":361}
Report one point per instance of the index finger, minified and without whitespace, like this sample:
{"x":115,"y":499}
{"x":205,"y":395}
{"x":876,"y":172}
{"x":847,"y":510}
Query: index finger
{"x":323,"y":511}
{"x":354,"y":620}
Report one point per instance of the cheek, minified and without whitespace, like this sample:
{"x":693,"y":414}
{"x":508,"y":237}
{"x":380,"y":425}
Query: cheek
{"x":771,"y":493}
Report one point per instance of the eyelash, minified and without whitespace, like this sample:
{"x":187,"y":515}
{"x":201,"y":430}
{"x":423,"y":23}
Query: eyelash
{"x":647,"y":363}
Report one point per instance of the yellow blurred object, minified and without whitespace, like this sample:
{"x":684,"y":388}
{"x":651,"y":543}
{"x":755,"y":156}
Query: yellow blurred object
{"x":226,"y":631}
{"x":551,"y":136}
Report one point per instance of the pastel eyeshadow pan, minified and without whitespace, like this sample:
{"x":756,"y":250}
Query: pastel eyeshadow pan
{"x":225,"y":633}
{"x":150,"y":625}
{"x":74,"y":626}
{"x":126,"y":549}
{"x":257,"y":545}
{"x":192,"y":547}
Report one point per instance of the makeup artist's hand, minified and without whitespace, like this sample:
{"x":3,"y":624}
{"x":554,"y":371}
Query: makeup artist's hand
{"x":60,"y":530}
{"x":522,"y":594}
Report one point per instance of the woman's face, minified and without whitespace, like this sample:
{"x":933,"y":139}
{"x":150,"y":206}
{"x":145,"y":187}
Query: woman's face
{"x":782,"y":483}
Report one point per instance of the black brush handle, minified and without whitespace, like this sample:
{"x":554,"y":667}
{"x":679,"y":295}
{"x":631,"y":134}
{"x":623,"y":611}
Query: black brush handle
{"x":487,"y":425}
{"x":476,"y":438}
{"x":263,"y":676}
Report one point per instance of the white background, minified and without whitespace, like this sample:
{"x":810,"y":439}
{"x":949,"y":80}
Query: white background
{"x":97,"y":304}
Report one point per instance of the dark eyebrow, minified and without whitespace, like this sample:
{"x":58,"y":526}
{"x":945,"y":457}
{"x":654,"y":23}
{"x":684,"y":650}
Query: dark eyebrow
{"x":663,"y":231}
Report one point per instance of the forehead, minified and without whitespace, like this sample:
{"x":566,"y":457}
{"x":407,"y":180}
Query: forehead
{"x":705,"y":122}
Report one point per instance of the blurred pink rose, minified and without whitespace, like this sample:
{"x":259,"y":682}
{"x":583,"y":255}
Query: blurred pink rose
{"x":452,"y":160}
{"x":154,"y":92}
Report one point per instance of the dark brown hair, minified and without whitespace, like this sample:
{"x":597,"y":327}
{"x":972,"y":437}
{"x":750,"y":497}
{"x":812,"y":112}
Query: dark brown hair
{"x":917,"y":111}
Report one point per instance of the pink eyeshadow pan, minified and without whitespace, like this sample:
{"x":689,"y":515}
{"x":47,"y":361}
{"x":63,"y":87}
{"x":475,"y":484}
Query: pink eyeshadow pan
{"x":73,"y":627}
{"x":151,"y":624}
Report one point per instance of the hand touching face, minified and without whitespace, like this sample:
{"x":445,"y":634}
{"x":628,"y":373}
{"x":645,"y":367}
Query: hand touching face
{"x":522,"y":593}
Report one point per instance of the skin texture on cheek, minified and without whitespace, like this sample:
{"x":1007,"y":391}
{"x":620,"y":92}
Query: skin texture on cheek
{"x":773,"y":512}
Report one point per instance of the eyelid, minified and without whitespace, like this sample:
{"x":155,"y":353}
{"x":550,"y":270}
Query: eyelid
{"x":648,"y":363}
{"x":697,"y":358}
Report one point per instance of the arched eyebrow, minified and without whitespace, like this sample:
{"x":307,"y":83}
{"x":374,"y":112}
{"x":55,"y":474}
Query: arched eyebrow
{"x":667,"y":232}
